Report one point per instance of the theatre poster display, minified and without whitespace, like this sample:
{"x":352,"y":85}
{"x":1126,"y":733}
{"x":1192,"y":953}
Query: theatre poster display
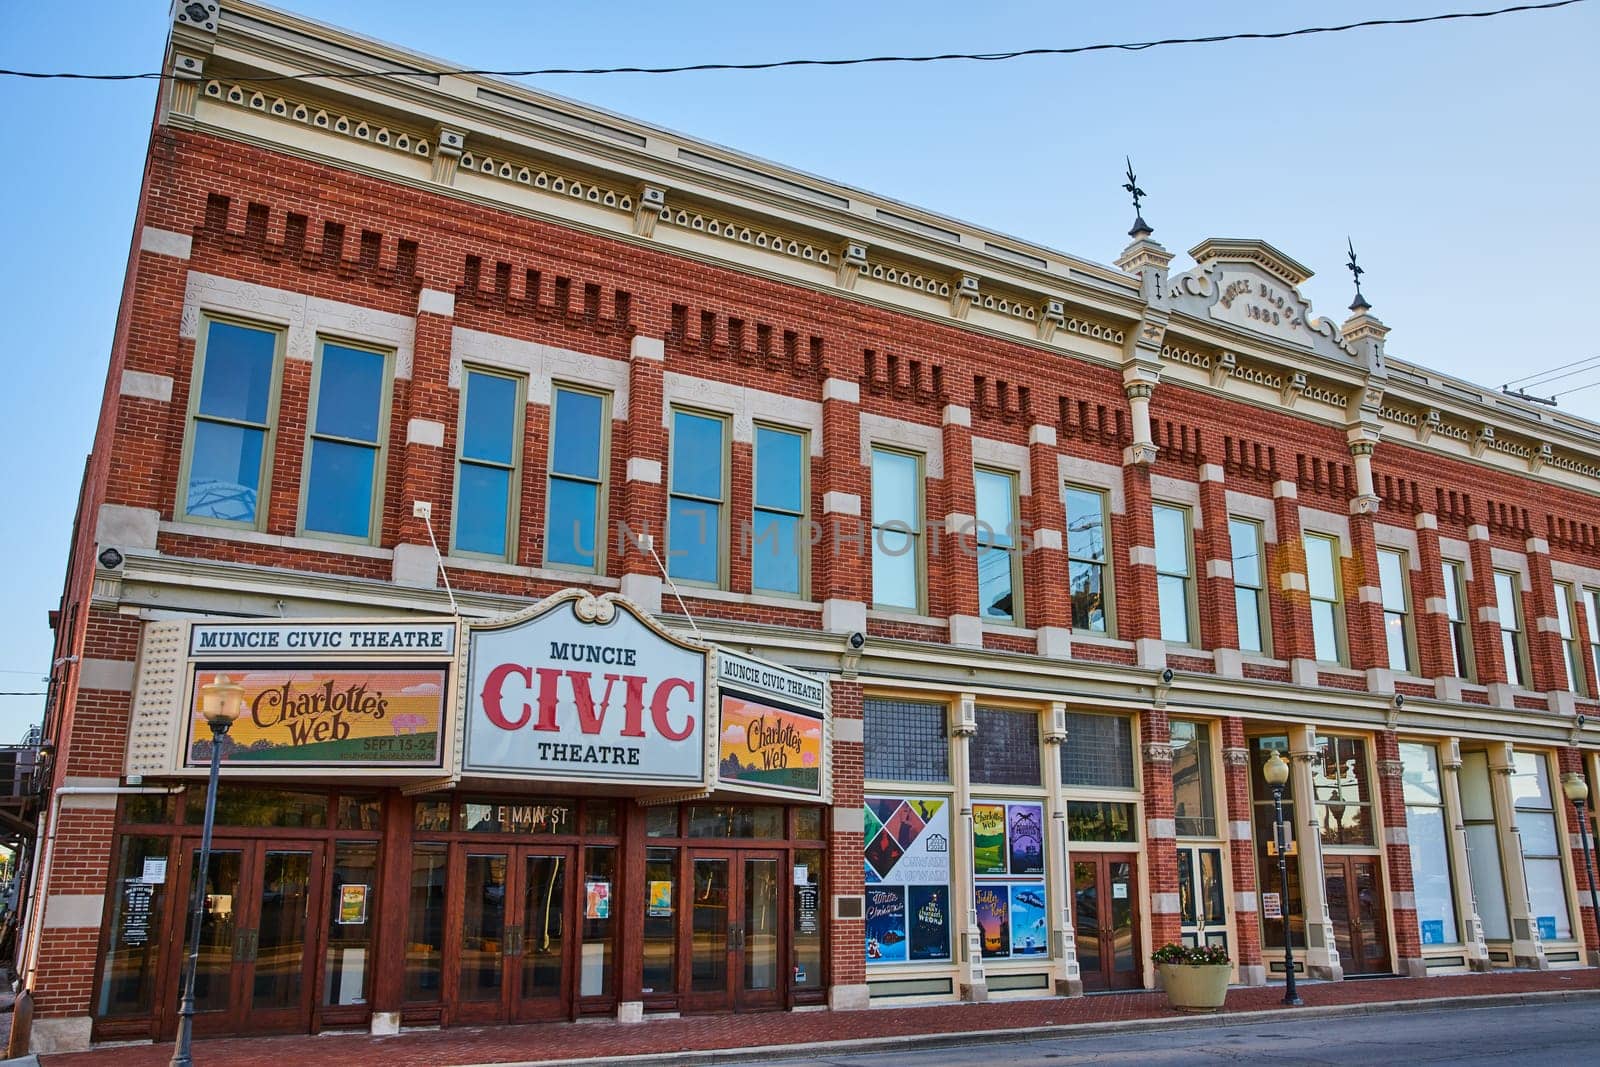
{"x":907,"y":879}
{"x":773,"y":730}
{"x":1008,"y":879}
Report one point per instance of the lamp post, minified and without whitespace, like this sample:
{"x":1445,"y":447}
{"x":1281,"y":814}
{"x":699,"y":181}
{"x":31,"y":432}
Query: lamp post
{"x":219,"y":706}
{"x":1577,"y":791}
{"x":1277,"y":772}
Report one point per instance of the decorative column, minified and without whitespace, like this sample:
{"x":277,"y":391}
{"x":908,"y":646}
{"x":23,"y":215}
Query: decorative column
{"x":1527,"y":950}
{"x":1432,"y":610}
{"x":1138,"y":614}
{"x":1545,"y":654}
{"x":1161,"y":831}
{"x":1292,"y":636}
{"x":956,"y":562}
{"x":430,"y":410}
{"x":644,"y":498}
{"x":388,"y":971}
{"x":1485,"y":620}
{"x":841,"y":576}
{"x":970,"y":979}
{"x":1364,"y":611}
{"x":1219,"y":621}
{"x":1045,"y":571}
{"x":1242,"y":853}
{"x":1058,"y":862}
{"x":1322,"y":957}
{"x":1466,"y":901}
{"x":1397,"y":850}
{"x":1570,"y":761}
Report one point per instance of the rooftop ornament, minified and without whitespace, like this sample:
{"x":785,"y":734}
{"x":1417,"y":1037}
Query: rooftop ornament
{"x":1359,"y":304}
{"x":1141,"y":228}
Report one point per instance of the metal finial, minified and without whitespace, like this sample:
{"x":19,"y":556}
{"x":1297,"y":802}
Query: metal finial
{"x":1356,"y":271}
{"x":1132,"y":186}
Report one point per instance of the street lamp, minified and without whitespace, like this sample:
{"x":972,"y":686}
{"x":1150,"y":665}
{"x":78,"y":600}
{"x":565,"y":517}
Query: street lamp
{"x":1277,"y":772}
{"x":1577,"y":791}
{"x":220,"y":704}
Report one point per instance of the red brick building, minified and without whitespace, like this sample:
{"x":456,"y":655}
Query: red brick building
{"x":1056,"y":554}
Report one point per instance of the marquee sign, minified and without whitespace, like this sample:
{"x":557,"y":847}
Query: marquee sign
{"x":584,"y":688}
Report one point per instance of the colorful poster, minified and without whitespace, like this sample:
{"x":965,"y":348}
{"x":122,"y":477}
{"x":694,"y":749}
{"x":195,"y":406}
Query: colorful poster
{"x":886,"y":924}
{"x":597,"y":900}
{"x":928,"y":909}
{"x":352,"y":905}
{"x":994,"y":927}
{"x":907,"y":872}
{"x":660,"y":903}
{"x":764,"y":745}
{"x":294,"y":716}
{"x":1030,"y":931}
{"x":1433,"y":931}
{"x":989,"y":839}
{"x":1025,"y":837}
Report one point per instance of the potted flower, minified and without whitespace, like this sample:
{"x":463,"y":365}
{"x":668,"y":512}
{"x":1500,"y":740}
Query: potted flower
{"x":1195,"y":978}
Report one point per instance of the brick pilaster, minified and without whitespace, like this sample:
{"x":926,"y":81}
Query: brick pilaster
{"x":841,"y":575}
{"x":1541,"y":625}
{"x":1397,"y":850}
{"x":642,"y":502}
{"x":1161,"y":853}
{"x":1291,"y":603}
{"x":1480,"y":601}
{"x":1428,"y":605}
{"x":952,"y":562}
{"x":1138,"y":617}
{"x":1219,"y":623}
{"x":1363,"y":596}
{"x":847,"y":965}
{"x":1571,"y":760}
{"x":1241,"y":852}
{"x":1044,"y":569}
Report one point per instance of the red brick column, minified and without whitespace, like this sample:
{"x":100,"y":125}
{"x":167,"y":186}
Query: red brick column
{"x":1428,"y":604}
{"x":1134,"y":567}
{"x":1161,"y":853}
{"x":1570,"y":760}
{"x":847,"y":960}
{"x":1241,"y":852}
{"x":642,"y":503}
{"x":1541,"y":626}
{"x":1364,"y":597}
{"x":1045,"y":575}
{"x":1291,"y":603}
{"x":841,"y":574}
{"x":1219,"y":622}
{"x":1480,"y":600}
{"x":423,"y":435}
{"x":952,"y":562}
{"x":1397,"y":849}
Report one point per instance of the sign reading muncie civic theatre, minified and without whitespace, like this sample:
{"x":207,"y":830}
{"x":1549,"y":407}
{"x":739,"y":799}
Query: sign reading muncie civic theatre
{"x":772,"y":727}
{"x":583,"y":688}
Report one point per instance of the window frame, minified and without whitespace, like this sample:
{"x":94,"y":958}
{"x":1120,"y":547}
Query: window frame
{"x":1591,"y":622}
{"x":1571,"y":645}
{"x":1263,"y":608}
{"x":192,"y":416}
{"x":514,"y":496}
{"x":1341,"y":637}
{"x":724,"y":504}
{"x":1205,"y":741}
{"x":380,"y":463}
{"x":602,"y":485}
{"x":1466,"y":665}
{"x":1013,"y":550}
{"x":1408,"y":629}
{"x":802,"y":538}
{"x":1447,"y":823}
{"x":1191,"y":623}
{"x":1107,"y":565}
{"x":918,"y":534}
{"x":1516,"y":630}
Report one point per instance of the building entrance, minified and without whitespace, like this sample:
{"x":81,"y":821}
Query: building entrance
{"x":1355,"y":904}
{"x":736,"y":930}
{"x":1106,"y":919}
{"x":1202,"y":897}
{"x":516,"y":946}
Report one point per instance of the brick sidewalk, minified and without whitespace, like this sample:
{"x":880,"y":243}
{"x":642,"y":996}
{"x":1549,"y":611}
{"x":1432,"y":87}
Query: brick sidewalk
{"x":550,"y":1041}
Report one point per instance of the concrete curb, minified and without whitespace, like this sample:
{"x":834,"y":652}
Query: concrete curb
{"x":914,"y":1042}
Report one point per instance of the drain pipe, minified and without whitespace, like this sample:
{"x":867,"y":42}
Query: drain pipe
{"x":41,"y":871}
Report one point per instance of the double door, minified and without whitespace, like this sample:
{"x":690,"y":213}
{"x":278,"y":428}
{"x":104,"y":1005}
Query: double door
{"x":257,"y":957}
{"x":1354,"y":888}
{"x":1202,"y":897}
{"x":516,"y":945}
{"x":1106,"y":920}
{"x":735,"y":945}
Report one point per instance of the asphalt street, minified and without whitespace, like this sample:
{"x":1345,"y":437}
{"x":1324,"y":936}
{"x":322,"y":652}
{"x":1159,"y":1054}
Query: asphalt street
{"x":1549,"y":1035}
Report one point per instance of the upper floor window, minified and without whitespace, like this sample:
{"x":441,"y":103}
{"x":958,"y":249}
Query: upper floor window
{"x":1005,"y":749}
{"x":1508,"y":605}
{"x":1322,"y":582}
{"x":696,"y":515}
{"x":1396,"y":608}
{"x":1571,"y":648}
{"x":999,"y":562}
{"x":778,"y":537}
{"x":897,"y":530}
{"x":233,"y":407}
{"x":349,"y":431}
{"x":488,"y":458}
{"x":1089,"y":560}
{"x":575,"y":498}
{"x":1591,"y":622}
{"x":1098,"y":751}
{"x":906,"y":741}
{"x":1174,"y":571}
{"x":1249,"y":585}
{"x":1455,"y":601}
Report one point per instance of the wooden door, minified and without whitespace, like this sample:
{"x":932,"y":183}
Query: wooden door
{"x":737,"y":932}
{"x":1356,"y":907}
{"x":1106,"y":920}
{"x":516,"y":941}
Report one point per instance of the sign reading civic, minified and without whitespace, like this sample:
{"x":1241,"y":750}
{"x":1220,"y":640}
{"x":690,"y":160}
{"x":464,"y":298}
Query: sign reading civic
{"x":773,"y":729}
{"x":584,"y":688}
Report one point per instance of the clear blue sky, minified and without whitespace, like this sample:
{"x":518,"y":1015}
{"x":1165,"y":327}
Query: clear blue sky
{"x":1460,"y":157}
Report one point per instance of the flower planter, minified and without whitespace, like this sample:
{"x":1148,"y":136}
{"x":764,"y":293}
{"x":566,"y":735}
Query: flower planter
{"x":1195,"y":987}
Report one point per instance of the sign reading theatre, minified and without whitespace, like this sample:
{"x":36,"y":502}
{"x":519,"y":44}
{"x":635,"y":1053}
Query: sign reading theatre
{"x":583,"y":688}
{"x":773,"y":728}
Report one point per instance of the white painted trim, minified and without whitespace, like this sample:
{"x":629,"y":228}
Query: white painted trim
{"x":425,"y":432}
{"x":1285,"y":489}
{"x":543,"y":364}
{"x":137,"y":383}
{"x":849,"y":731}
{"x":1141,"y":555}
{"x":744,"y":406}
{"x":898,"y":433}
{"x":640,"y":469}
{"x":161,"y":242}
{"x":437,"y":302}
{"x":1212,"y":472}
{"x":1260,"y":509}
{"x":849,"y":819}
{"x":651,"y":348}
{"x":1219,"y":568}
{"x":956,"y":415}
{"x":1042,"y":434}
{"x":1106,"y":477}
{"x":1003,"y":455}
{"x":835,"y":503}
{"x":252,"y":537}
{"x":841,"y":389}
{"x":1045,"y":537}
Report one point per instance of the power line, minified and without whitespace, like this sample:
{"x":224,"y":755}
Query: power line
{"x":1552,"y":370}
{"x":981,"y":57}
{"x":1578,"y":388}
{"x":21,"y":693}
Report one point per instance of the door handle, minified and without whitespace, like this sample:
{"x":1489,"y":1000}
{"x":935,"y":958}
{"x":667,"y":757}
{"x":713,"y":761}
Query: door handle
{"x":245,"y":945}
{"x":514,"y":941}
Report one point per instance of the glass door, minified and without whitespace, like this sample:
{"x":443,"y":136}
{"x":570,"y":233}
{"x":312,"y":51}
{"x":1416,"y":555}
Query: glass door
{"x":760,"y":938}
{"x":1202,"y":897}
{"x":516,"y":941}
{"x":1356,"y":907}
{"x":1106,"y":920}
{"x":544,"y":942}
{"x":711,"y":930}
{"x":738,"y":941}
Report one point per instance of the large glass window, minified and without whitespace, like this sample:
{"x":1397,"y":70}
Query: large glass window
{"x":999,"y":562}
{"x":1098,"y":751}
{"x":1088,"y":560}
{"x":1591,"y":622}
{"x":778,"y":542}
{"x":897,"y":530}
{"x":1571,"y":647}
{"x":1541,"y":846}
{"x":1508,"y":605}
{"x":1455,"y":604}
{"x":1261,"y":749}
{"x":1174,"y":573}
{"x":349,"y":428}
{"x":1429,"y":834}
{"x":232,"y":408}
{"x":425,"y":923}
{"x":1483,"y":846}
{"x":128,"y":980}
{"x":906,"y":741}
{"x":1005,"y":750}
{"x":1339,"y":778}
{"x":1194,"y":801}
{"x":1249,"y":586}
{"x":488,"y":457}
{"x":575,"y":500}
{"x":1392,"y":578}
{"x":352,"y":918}
{"x":1322,"y":581}
{"x":696,"y":514}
